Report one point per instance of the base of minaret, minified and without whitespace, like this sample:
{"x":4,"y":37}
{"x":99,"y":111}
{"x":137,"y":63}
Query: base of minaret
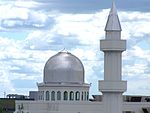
{"x":112,"y":102}
{"x":112,"y":95}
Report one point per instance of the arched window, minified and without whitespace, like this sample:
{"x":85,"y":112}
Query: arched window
{"x":39,"y":95}
{"x":42,"y":95}
{"x":77,"y":96}
{"x":53,"y":95}
{"x":65,"y":95}
{"x":58,"y":95}
{"x":82,"y":96}
{"x":71,"y":95}
{"x":47,"y":95}
{"x":87,"y":95}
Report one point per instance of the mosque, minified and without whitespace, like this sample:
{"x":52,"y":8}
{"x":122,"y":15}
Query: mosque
{"x":64,"y":90}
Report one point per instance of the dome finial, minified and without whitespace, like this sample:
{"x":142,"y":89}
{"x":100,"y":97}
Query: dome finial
{"x":64,"y":50}
{"x":113,"y":23}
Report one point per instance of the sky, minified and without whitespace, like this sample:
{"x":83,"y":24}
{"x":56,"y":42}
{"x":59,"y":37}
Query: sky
{"x":31,"y":31}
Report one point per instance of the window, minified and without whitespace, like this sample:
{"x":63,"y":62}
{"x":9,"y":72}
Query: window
{"x":58,"y":95}
{"x":39,"y":95}
{"x":77,"y":96}
{"x":82,"y":96}
{"x":71,"y":95}
{"x":87,"y":95}
{"x":47,"y":95}
{"x":42,"y":95}
{"x":53,"y":95}
{"x":65,"y":95}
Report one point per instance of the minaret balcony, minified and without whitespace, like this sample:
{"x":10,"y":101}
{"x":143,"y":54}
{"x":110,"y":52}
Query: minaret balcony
{"x":112,"y":45}
{"x":112,"y":86}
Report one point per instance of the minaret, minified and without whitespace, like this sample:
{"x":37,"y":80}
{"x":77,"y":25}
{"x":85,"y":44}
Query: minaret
{"x":112,"y":86}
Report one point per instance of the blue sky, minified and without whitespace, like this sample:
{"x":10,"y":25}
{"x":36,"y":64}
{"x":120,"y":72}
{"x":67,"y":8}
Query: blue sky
{"x":31,"y":31}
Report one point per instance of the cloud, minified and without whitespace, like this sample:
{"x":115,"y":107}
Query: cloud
{"x":14,"y":17}
{"x":80,"y":34}
{"x":38,"y":14}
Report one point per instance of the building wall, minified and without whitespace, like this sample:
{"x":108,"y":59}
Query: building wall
{"x":135,"y":107}
{"x":74,"y":107}
{"x":58,"y":107}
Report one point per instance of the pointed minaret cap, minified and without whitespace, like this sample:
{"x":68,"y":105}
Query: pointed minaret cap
{"x":113,"y":23}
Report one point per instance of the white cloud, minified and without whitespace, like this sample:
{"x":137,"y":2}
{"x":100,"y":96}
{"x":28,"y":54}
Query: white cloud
{"x":27,"y":3}
{"x":9,"y":11}
{"x":24,"y":59}
{"x":135,"y":24}
{"x":84,"y":26}
{"x":14,"y":16}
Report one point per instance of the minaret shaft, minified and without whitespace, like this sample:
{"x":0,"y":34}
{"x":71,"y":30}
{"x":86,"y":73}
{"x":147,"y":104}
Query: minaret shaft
{"x":112,"y":66}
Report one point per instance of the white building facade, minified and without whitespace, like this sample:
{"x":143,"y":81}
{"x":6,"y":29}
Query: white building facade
{"x":63,"y":89}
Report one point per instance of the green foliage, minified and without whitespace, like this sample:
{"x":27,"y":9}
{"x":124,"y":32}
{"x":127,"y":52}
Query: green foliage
{"x":6,"y":105}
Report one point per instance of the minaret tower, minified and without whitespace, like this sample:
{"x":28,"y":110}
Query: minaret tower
{"x":112,"y":86}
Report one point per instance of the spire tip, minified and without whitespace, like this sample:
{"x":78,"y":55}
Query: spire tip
{"x":113,"y":23}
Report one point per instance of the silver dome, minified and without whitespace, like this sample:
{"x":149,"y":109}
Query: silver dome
{"x":64,"y":68}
